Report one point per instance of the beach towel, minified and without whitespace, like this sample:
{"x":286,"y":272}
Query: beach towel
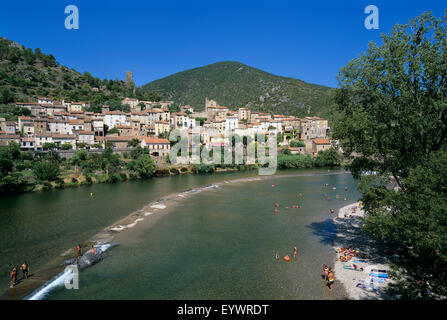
{"x":367,"y":287}
{"x":379,"y":275}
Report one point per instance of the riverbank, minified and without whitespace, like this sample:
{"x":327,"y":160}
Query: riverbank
{"x":358,"y":284}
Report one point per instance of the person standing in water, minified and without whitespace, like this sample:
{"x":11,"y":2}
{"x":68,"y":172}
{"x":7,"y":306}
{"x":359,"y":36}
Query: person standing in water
{"x":330,"y":279}
{"x":325,"y":272}
{"x":277,"y":256}
{"x":25,"y":270}
{"x":78,"y":249}
{"x":295,"y":251}
{"x":92,"y":250}
{"x":13,"y":280}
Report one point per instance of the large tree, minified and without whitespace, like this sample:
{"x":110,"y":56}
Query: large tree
{"x":393,"y":120}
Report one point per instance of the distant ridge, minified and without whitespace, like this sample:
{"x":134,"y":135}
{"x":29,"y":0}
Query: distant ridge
{"x":235,"y":84}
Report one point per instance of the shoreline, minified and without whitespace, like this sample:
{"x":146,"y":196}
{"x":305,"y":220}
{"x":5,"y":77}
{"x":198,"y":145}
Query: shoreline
{"x":150,"y":212}
{"x":357,"y":283}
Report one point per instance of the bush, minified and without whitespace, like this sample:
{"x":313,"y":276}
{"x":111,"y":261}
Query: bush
{"x":144,"y":166}
{"x":203,"y":168}
{"x":328,"y":158}
{"x":294,"y":161}
{"x":297,"y":144}
{"x":46,"y":171}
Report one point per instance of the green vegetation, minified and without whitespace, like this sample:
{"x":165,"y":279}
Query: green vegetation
{"x":287,"y":161}
{"x":234,"y":84}
{"x":327,"y":158}
{"x":23,"y":171}
{"x":46,"y":170}
{"x":393,"y":104}
{"x":26,"y":74}
{"x":297,"y":144}
{"x":203,"y":168}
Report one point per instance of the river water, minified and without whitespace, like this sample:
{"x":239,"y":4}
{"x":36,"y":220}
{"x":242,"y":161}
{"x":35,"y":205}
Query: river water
{"x":217,"y":244}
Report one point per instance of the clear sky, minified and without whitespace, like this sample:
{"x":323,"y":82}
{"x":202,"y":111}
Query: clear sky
{"x":308,"y":40}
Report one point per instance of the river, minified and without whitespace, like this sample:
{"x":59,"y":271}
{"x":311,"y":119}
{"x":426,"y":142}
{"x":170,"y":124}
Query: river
{"x":217,"y":244}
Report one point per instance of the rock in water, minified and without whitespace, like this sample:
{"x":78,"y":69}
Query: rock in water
{"x":89,"y":258}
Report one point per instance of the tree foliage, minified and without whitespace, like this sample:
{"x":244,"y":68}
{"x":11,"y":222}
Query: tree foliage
{"x":393,"y":105}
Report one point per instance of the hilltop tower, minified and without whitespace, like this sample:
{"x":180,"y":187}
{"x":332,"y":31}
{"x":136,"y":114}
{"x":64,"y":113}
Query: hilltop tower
{"x":129,"y":77}
{"x":129,"y":81}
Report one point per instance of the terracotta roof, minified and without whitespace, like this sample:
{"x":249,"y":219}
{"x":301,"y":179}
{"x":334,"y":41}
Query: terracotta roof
{"x":114,"y":112}
{"x":86,"y":132}
{"x":156,"y":141}
{"x":63,"y":136}
{"x":321,"y":141}
{"x":24,"y":118}
{"x":9,"y":136}
{"x":119,"y":138}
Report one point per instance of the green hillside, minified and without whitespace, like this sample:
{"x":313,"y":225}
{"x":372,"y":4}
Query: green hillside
{"x":26,"y":74}
{"x":234,"y":84}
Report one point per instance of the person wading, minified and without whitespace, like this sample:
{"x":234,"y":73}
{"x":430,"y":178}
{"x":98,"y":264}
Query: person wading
{"x":78,"y":249}
{"x":25,"y":270}
{"x":13,"y":280}
{"x":330,"y":279}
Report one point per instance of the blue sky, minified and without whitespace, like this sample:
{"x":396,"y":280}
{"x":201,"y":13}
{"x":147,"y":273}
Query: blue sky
{"x":308,"y":40}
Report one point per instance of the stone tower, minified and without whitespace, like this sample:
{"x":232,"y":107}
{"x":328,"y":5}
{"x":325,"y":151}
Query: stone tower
{"x":129,"y":77}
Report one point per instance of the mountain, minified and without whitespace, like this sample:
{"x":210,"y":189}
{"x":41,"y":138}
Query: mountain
{"x":234,"y":84}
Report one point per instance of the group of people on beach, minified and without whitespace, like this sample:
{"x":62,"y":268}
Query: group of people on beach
{"x":15,"y":271}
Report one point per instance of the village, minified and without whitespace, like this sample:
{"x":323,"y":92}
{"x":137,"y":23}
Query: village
{"x":65,"y":125}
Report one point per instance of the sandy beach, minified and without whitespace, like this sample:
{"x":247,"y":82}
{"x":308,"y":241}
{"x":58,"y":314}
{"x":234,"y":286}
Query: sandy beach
{"x":359,"y":284}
